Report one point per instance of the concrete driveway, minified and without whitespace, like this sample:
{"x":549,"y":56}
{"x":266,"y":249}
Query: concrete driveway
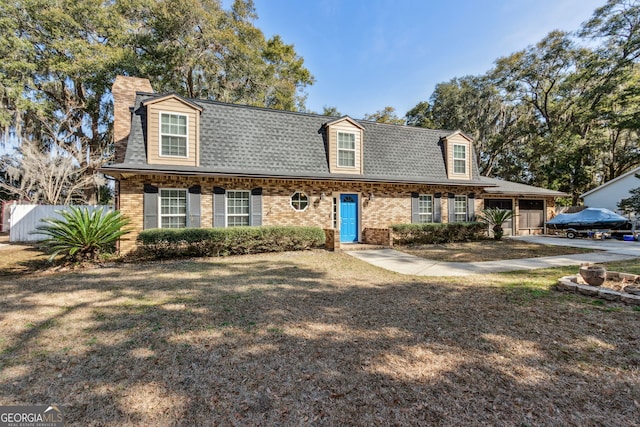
{"x":403,"y":263}
{"x":609,"y":245}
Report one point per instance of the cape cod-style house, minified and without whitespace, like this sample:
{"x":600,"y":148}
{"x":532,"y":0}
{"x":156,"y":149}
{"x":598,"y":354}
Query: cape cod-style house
{"x":197,"y":163}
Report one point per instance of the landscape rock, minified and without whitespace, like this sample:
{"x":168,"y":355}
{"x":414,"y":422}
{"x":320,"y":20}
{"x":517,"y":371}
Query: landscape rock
{"x":635,"y":290}
{"x":591,"y":291}
{"x":609,"y":295}
{"x":630,"y":299}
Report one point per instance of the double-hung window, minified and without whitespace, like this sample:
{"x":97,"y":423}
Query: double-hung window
{"x":173,"y":135}
{"x":346,"y":149}
{"x":460,"y":208}
{"x":425,"y":208}
{"x":237,"y":208}
{"x":459,"y":159}
{"x":173,"y":208}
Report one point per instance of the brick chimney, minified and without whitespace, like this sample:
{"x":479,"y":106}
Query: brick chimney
{"x":124,"y":96}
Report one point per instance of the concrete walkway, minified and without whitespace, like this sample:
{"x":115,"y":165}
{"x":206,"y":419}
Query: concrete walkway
{"x":403,"y":263}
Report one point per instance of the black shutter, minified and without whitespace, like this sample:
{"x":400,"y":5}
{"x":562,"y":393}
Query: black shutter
{"x":219,"y":207}
{"x":452,"y":208}
{"x":150,"y":206}
{"x":471,"y":211}
{"x":437,"y":207}
{"x":194,"y":206}
{"x":415,"y":210}
{"x":255,"y":207}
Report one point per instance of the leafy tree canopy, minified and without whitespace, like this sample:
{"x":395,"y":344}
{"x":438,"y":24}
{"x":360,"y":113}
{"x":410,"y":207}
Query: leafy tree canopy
{"x":60,"y":59}
{"x":563,"y":113}
{"x":330,"y":111}
{"x":386,"y":115}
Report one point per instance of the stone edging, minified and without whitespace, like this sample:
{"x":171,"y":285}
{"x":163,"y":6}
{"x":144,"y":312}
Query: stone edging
{"x":570,"y":284}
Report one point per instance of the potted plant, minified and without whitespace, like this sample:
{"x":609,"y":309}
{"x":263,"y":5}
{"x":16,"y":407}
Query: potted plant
{"x":495,"y":217}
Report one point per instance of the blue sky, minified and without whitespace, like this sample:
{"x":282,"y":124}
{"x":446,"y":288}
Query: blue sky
{"x":369,"y":54}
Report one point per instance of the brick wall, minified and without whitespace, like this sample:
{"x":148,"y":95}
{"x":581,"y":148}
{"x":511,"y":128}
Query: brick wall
{"x":332,"y":236}
{"x":390,"y":204}
{"x":377,"y":236}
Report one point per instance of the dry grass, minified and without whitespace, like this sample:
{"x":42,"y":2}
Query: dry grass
{"x":315,"y":338}
{"x":19,"y":258}
{"x":488,"y":250}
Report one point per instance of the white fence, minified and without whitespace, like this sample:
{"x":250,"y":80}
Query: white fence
{"x":23,"y":220}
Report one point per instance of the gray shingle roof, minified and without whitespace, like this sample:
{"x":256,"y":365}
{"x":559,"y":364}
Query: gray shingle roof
{"x":250,"y":141}
{"x":513,"y":188}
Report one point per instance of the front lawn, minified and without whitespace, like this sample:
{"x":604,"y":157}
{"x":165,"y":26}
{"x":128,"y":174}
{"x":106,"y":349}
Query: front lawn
{"x":314,"y":338}
{"x":488,"y":250}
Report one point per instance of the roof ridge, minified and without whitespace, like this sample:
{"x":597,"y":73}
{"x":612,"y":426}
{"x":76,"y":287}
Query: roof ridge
{"x":298,"y":113}
{"x":243,"y":106}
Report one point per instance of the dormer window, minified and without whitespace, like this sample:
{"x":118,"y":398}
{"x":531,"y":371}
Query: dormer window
{"x":173,"y":135}
{"x":346,"y":149}
{"x":345,"y":146}
{"x":458,"y":148}
{"x":459,"y":159}
{"x":173,"y":131}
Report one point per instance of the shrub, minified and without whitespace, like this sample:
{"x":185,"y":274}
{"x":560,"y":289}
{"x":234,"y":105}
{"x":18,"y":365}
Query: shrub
{"x":435,"y":233}
{"x":82,"y":235}
{"x":165,"y":243}
{"x":495,"y":217}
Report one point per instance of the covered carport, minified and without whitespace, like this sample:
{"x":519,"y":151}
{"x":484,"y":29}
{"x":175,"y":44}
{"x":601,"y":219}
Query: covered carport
{"x":533,"y":205}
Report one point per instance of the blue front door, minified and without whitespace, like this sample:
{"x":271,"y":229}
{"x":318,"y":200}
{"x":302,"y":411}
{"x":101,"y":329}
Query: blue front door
{"x":348,"y":217}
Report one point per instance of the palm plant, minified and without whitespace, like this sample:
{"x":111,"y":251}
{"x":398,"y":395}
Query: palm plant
{"x":83,"y":235}
{"x":495,"y":217}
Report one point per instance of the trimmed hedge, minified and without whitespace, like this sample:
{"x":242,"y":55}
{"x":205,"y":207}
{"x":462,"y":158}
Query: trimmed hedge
{"x":188,"y":242}
{"x":435,"y":233}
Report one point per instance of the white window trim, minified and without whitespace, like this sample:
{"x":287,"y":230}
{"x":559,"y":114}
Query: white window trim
{"x":291,"y":201}
{"x":420,"y":215}
{"x":466,"y":208}
{"x":161,"y":215}
{"x":160,"y":113}
{"x":354,"y":150}
{"x":226,"y":208}
{"x":466,"y":159}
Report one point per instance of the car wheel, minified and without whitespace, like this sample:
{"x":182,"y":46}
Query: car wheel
{"x":572,"y":234}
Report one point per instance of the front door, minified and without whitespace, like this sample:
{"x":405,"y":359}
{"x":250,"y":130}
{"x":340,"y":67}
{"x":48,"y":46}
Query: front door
{"x":348,"y":218}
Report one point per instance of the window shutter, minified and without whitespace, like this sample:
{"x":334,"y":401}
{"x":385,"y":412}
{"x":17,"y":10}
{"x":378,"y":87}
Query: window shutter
{"x":255,"y":207}
{"x":150,"y":206}
{"x":471,"y":211}
{"x":415,"y":212}
{"x":194,"y":206}
{"x":437,"y":207}
{"x":219,"y":207}
{"x":452,"y":208}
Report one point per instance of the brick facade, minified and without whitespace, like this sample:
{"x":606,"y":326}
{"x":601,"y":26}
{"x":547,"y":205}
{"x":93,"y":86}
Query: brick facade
{"x":390,"y":203}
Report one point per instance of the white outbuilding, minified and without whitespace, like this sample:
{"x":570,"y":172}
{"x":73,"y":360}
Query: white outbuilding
{"x":609,"y":194}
